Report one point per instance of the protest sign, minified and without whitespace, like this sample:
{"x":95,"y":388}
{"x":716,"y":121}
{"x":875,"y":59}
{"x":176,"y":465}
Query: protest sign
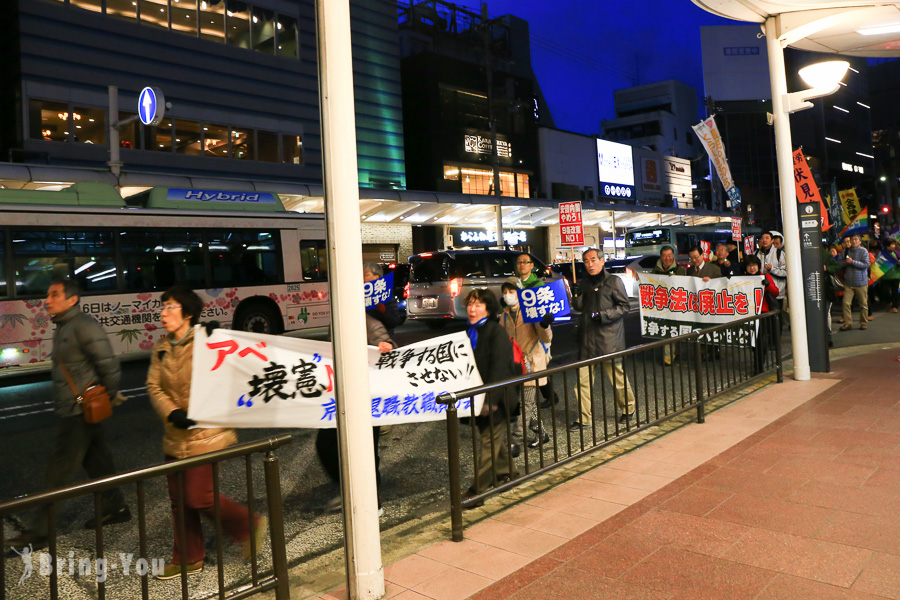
{"x":749,"y":245}
{"x":538,"y":301}
{"x":378,"y":291}
{"x":243,"y":379}
{"x":806,"y":188}
{"x":709,"y":135}
{"x":705,"y":248}
{"x":674,"y":305}
{"x":736,"y":229}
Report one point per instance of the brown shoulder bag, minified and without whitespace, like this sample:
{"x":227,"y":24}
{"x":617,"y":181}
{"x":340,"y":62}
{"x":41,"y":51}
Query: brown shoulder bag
{"x":94,"y":400}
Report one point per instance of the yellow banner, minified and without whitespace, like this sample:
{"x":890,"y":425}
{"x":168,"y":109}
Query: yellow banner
{"x":851,"y":205}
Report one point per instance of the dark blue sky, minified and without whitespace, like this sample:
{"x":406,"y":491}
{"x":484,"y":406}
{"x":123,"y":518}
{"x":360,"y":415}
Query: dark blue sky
{"x":582,"y":50}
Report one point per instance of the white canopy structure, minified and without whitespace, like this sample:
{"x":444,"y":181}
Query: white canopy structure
{"x":851,"y":27}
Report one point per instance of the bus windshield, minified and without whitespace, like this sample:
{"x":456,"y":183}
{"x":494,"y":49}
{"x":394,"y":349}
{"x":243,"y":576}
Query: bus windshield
{"x":648,"y":237}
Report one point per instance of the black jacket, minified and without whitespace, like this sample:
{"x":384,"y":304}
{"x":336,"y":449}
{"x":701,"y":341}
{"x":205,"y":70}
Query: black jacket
{"x":607,"y":299}
{"x":494,"y":359}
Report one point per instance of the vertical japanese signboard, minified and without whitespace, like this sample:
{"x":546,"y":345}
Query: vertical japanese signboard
{"x":571,"y":228}
{"x":736,"y":229}
{"x":709,"y":136}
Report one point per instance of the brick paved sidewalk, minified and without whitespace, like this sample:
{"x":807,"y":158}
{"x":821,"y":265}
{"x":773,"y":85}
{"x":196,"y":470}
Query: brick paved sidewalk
{"x":790,"y":493}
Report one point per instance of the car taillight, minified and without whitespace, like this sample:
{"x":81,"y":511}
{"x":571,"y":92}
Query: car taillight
{"x":629,"y":272}
{"x":406,"y":290}
{"x":455,"y":284}
{"x":425,"y":255}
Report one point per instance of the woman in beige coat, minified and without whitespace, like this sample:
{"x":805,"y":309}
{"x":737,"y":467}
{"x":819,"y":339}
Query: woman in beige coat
{"x":534,"y":340}
{"x":169,"y":385}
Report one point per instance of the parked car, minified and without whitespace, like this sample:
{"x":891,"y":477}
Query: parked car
{"x":440,"y":281}
{"x":627,"y":269}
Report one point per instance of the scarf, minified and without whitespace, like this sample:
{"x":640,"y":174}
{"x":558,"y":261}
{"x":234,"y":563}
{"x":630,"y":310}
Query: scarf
{"x":473,"y":331}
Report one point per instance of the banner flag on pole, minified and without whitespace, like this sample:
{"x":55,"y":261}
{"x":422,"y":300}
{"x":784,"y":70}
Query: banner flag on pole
{"x":806,"y":188}
{"x":850,"y":202}
{"x":708,"y":132}
{"x":859,"y":226}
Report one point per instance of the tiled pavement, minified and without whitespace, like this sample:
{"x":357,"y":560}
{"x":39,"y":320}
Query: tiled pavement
{"x":790,"y":493}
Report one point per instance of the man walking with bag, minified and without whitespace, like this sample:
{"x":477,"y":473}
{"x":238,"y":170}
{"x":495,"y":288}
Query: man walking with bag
{"x":82,"y":357}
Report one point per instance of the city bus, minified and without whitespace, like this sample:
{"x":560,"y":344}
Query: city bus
{"x":256,"y":266}
{"x":650,"y":240}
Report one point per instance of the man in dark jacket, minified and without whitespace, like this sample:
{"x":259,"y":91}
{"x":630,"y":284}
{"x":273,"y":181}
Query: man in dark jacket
{"x":723,"y":260}
{"x":666,"y":265}
{"x":603,"y":303}
{"x":699,"y":267}
{"x":80,"y":346}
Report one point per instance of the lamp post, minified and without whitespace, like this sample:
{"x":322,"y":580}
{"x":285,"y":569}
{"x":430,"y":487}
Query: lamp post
{"x":824,"y":79}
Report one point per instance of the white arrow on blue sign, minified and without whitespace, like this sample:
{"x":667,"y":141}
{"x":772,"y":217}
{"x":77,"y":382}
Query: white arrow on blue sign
{"x":151,"y":106}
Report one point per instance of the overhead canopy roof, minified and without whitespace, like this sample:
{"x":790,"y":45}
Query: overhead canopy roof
{"x":408,"y":207}
{"x":852,"y":27}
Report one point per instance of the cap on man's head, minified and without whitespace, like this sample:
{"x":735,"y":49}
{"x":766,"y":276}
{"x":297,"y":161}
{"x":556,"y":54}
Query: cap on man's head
{"x":776,"y":234}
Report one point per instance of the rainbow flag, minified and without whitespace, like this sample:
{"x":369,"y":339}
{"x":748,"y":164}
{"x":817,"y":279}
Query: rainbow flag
{"x":881,"y":266}
{"x":858,"y":226}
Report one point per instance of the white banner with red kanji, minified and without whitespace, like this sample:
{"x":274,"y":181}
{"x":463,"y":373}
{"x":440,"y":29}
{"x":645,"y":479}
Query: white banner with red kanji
{"x":673,"y":305}
{"x":243,"y":379}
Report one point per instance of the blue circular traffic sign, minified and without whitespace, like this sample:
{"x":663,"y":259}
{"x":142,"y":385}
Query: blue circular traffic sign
{"x":151,"y":106}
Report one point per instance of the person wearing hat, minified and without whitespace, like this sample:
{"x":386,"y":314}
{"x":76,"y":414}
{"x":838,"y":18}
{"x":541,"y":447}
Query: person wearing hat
{"x":777,"y":239}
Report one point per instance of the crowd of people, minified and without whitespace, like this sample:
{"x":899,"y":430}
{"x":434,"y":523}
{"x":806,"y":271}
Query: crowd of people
{"x":497,"y":331}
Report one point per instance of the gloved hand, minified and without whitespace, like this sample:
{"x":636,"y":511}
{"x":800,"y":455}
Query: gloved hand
{"x":546,"y":320}
{"x":179,"y":419}
{"x":765,"y":281}
{"x":597,"y":317}
{"x":211,"y":326}
{"x":575,"y":289}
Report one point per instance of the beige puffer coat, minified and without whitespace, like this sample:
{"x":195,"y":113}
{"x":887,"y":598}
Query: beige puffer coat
{"x":169,"y":385}
{"x":531,"y":338}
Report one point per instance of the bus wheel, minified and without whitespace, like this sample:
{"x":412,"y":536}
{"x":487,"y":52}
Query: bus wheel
{"x":259,"y":318}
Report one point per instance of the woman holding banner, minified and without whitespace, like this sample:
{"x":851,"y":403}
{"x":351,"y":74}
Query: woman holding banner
{"x":493,"y":354}
{"x":534,"y":340}
{"x":169,"y":386}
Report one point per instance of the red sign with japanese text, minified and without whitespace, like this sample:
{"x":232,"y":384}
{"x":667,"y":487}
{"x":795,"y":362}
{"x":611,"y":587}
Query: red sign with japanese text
{"x":705,"y":246}
{"x":807,"y":190}
{"x":749,"y":245}
{"x":571,"y":227}
{"x":736,"y":229}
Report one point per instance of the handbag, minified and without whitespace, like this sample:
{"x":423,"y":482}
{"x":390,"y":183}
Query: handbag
{"x":94,"y":400}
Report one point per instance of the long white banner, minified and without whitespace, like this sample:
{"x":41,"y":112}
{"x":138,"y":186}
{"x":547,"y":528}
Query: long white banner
{"x":673,"y":305}
{"x":242,"y":379}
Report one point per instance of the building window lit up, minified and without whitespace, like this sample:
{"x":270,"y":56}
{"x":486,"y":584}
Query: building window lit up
{"x":481,"y":181}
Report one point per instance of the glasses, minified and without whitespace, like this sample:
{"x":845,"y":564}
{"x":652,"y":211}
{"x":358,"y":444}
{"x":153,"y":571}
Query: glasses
{"x":523,"y":262}
{"x":168,"y":307}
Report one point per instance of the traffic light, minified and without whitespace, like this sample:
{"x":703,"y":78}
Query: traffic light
{"x":885,"y":209}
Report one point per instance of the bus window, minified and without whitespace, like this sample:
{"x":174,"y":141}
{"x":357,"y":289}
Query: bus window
{"x":243,"y":258}
{"x":39,"y":256}
{"x":309,"y":261}
{"x":157,"y":260}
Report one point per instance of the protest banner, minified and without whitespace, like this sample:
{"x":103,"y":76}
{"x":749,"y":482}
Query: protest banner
{"x":749,"y":244}
{"x":858,"y":226}
{"x":880,"y":267}
{"x":571,"y":226}
{"x":806,"y":188}
{"x":538,"y":301}
{"x":706,"y":248}
{"x":243,"y":379}
{"x":379,"y":290}
{"x":709,"y":135}
{"x":736,"y":229}
{"x":674,"y":305}
{"x":850,"y":202}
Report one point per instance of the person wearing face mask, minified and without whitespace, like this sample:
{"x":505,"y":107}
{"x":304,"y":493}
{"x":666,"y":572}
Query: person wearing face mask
{"x":534,"y":340}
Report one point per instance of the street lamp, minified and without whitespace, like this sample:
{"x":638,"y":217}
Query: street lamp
{"x":822,"y":78}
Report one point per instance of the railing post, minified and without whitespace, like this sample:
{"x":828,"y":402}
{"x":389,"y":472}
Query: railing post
{"x":778,"y":360}
{"x":456,"y":523}
{"x":276,"y":526}
{"x":698,"y":369}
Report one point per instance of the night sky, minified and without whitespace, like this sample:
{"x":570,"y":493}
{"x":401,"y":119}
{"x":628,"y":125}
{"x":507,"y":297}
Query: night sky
{"x":582,"y":50}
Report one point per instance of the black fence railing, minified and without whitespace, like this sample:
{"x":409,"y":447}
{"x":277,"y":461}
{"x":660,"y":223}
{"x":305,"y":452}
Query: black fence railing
{"x":260,"y":578}
{"x":656,"y":382}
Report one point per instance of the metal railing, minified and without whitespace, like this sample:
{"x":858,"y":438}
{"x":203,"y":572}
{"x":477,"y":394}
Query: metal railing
{"x":277,"y":581}
{"x":701,"y":366}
